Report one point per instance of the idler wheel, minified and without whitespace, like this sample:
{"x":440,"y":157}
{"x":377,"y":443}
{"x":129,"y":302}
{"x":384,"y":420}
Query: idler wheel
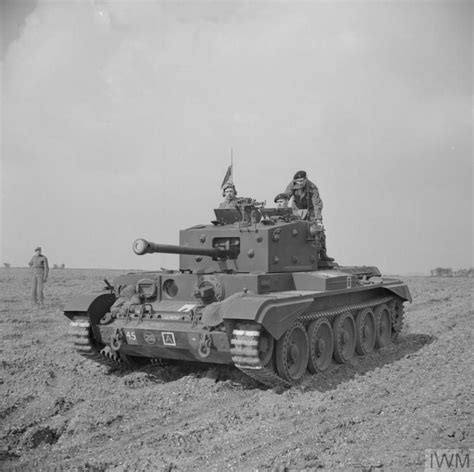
{"x":383,"y":324}
{"x":344,"y":337}
{"x":366,"y":332}
{"x":292,"y":353}
{"x":321,"y":345}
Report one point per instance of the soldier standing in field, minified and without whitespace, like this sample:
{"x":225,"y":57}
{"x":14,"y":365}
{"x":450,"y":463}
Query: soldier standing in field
{"x":40,"y":269}
{"x":306,"y":198}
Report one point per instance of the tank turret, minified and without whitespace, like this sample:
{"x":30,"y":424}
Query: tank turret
{"x":246,"y":239}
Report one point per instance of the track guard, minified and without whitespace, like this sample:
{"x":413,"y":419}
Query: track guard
{"x":401,"y":291}
{"x":276,"y":315}
{"x":95,"y":305}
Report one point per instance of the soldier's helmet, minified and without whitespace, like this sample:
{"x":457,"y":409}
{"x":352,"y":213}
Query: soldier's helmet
{"x":228,"y":185}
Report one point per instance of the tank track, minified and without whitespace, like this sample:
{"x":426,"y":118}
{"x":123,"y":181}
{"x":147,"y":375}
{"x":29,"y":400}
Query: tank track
{"x":397,"y":311}
{"x":82,"y":342}
{"x":246,"y":337}
{"x":81,"y":338}
{"x":244,"y":351}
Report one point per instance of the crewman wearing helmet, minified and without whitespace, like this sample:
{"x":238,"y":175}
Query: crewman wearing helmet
{"x":229,"y":193}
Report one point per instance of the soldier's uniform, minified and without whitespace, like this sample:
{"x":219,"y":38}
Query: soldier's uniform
{"x":306,"y":197}
{"x":225,"y":204}
{"x":39,"y":275}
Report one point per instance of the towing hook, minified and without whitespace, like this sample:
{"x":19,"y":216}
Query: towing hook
{"x":116,"y":341}
{"x":204,"y":349}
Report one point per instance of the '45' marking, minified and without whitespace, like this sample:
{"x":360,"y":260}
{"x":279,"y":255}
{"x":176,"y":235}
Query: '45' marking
{"x":131,"y":337}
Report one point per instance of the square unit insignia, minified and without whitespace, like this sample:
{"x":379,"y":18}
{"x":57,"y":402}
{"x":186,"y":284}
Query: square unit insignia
{"x":168,"y":339}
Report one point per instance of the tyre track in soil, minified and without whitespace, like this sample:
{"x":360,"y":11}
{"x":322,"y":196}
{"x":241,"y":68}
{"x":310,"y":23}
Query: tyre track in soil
{"x":379,"y":412}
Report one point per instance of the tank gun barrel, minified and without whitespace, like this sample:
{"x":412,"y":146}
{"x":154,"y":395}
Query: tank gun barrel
{"x":142,"y":246}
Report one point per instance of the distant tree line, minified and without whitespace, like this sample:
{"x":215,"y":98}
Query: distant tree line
{"x":7,"y":265}
{"x":449,"y":272}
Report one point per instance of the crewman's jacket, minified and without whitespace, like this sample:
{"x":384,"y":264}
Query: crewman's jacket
{"x":306,"y":198}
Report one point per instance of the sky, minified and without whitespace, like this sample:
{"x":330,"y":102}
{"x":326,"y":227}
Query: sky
{"x":118,"y":120}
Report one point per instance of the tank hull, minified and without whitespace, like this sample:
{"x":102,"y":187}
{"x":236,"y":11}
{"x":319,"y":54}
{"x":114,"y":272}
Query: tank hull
{"x":255,"y":289}
{"x":233,"y":330}
{"x":178,"y":340}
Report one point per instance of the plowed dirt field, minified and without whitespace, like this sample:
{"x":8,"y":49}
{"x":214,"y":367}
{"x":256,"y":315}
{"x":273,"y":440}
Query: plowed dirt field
{"x":60,"y":411}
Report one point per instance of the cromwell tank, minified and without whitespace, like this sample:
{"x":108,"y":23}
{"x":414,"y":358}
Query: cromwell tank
{"x":251,"y":292}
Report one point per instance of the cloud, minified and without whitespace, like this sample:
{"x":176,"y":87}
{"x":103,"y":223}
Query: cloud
{"x":126,"y":112}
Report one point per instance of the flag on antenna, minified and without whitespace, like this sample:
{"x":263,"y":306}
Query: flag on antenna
{"x":228,"y":179}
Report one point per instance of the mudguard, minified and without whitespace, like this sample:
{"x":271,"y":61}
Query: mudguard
{"x":278,"y":314}
{"x":275,"y":314}
{"x":91,"y":303}
{"x":401,"y":290}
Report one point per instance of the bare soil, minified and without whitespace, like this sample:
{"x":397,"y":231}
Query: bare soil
{"x":60,"y":411}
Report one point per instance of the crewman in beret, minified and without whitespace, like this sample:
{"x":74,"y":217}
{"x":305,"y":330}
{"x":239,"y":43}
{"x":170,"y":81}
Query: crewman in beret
{"x":306,"y":198}
{"x":229,"y":193}
{"x":281,"y":200}
{"x":39,"y":275}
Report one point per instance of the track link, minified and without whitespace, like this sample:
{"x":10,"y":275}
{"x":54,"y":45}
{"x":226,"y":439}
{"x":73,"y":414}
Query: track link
{"x":244,"y":350}
{"x":397,"y":312}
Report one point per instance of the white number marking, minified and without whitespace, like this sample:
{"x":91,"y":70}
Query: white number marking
{"x":187,"y":307}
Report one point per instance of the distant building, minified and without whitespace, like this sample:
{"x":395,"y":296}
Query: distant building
{"x":442,"y":272}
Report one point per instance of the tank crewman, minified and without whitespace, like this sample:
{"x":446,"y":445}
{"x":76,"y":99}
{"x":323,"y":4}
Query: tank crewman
{"x":281,"y":200}
{"x":305,"y":196}
{"x":39,"y":272}
{"x":229,"y":193}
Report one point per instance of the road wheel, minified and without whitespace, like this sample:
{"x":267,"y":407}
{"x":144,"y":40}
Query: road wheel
{"x":265,"y":347}
{"x":365,"y":331}
{"x":292,"y":352}
{"x":383,"y":325}
{"x":321,"y":345}
{"x":344,"y":337}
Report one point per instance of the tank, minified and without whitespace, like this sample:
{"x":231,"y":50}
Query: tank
{"x":251,"y":291}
